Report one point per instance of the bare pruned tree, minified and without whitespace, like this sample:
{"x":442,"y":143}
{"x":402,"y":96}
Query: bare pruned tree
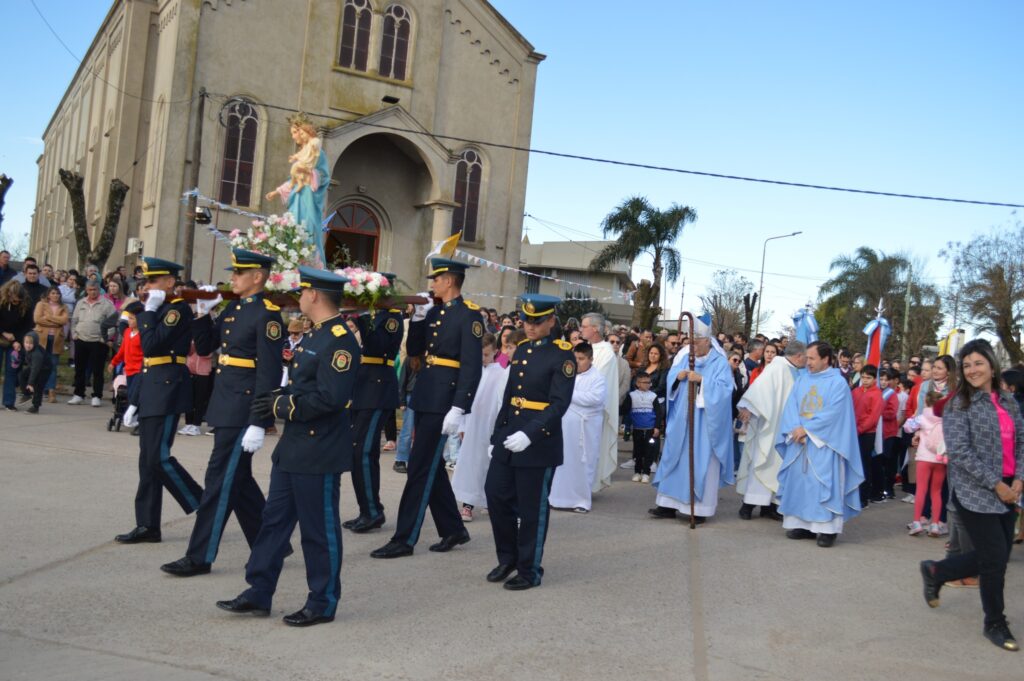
{"x":731,"y":301}
{"x":5,"y":184}
{"x":98,"y":253}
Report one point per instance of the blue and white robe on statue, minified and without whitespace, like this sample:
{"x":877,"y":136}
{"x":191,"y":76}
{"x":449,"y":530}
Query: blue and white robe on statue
{"x":819,"y":480}
{"x":712,"y":453}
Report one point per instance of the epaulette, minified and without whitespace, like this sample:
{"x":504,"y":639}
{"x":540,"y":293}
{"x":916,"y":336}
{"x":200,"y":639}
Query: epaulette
{"x":565,"y":345}
{"x":471,"y":305}
{"x":339,"y":330}
{"x":270,"y":306}
{"x":525,"y":340}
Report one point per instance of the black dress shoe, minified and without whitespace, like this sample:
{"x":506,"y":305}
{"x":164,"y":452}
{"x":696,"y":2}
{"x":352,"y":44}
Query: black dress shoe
{"x":771,"y":512}
{"x":1000,"y":635}
{"x":799,"y":533}
{"x":500,"y":573}
{"x":241,"y":605}
{"x":364,"y":525}
{"x":349,"y":523}
{"x":400,"y":467}
{"x":662,"y":512}
{"x":931,"y":583}
{"x":306,"y":618}
{"x":746,"y":511}
{"x":140,"y":535}
{"x":450,"y":542}
{"x":186,"y":567}
{"x":519,"y":583}
{"x":393,"y":549}
{"x":826,"y":540}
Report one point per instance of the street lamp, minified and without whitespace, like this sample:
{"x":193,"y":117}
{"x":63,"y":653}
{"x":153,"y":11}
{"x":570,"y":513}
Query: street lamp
{"x":760,"y":289}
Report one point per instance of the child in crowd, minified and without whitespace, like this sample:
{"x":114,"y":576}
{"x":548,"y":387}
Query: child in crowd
{"x":474,"y":459}
{"x":647,"y":416}
{"x":930,"y":463}
{"x":130,"y":352}
{"x":884,"y":465}
{"x":867,"y":409}
{"x":35,"y":370}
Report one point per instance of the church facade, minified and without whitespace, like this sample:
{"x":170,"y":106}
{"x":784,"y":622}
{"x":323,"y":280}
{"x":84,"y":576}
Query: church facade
{"x":417,"y":102}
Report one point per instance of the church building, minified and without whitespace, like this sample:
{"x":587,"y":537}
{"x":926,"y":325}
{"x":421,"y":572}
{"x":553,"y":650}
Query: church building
{"x":418,"y":103}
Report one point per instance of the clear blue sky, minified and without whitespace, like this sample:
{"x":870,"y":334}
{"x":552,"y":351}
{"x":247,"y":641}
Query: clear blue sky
{"x":916,"y":97}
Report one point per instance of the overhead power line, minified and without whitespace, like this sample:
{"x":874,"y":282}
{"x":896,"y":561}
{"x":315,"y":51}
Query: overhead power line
{"x":645,"y":166}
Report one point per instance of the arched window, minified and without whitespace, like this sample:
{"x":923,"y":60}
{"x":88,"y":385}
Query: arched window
{"x":468,"y":175}
{"x":355,"y":34}
{"x":394,"y":46}
{"x":236,"y":178}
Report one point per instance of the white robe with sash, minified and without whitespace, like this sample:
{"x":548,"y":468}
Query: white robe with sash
{"x":758,"y":477}
{"x":474,"y":460}
{"x":606,"y":363}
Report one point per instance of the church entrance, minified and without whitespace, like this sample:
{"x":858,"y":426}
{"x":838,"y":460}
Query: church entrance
{"x":353,"y":237}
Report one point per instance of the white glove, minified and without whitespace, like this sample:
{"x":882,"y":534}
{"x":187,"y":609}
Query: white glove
{"x":253,"y":439}
{"x":128,"y":420}
{"x":516,"y":442}
{"x":155,"y":300}
{"x":452,"y":422}
{"x":419,"y":312}
{"x":203,"y":307}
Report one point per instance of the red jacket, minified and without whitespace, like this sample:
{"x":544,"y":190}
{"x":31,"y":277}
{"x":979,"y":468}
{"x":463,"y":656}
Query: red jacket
{"x":890,"y":408}
{"x":867,"y":407}
{"x":130,"y":353}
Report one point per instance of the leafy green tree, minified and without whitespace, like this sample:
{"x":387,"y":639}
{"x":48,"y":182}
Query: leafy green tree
{"x":575,"y":305}
{"x":641,"y":229}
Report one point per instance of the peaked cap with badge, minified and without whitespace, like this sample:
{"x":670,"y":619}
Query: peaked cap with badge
{"x":155,"y":267}
{"x":242,"y":259}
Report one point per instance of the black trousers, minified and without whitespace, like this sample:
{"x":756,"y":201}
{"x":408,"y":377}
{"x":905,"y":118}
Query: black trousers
{"x":312,"y":502}
{"x":644,"y":452}
{"x":91,"y":359}
{"x":202,"y":387}
{"x":517,"y":501}
{"x":390,"y":425}
{"x":158,"y":469}
{"x":229,"y":487}
{"x":992,"y":536}
{"x":883,"y":469}
{"x":867,"y":450}
{"x":366,"y":427}
{"x":38,"y":388}
{"x":427,"y":484}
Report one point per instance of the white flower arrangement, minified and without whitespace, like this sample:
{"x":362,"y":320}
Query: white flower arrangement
{"x":283,"y":238}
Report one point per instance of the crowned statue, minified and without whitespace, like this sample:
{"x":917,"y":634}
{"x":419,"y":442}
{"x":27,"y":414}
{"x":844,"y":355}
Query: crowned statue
{"x":306,"y":188}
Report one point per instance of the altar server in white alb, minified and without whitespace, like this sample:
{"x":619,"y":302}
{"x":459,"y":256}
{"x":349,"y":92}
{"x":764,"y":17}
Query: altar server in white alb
{"x":474,"y":454}
{"x":761,"y":409}
{"x":594,"y":329}
{"x":582,"y":426}
{"x":712,"y":430}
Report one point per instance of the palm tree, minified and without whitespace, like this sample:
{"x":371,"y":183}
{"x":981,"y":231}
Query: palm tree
{"x":642,"y":229}
{"x":865,"y":277}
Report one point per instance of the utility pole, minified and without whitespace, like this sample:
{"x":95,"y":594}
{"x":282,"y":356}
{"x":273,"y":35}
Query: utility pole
{"x":906,"y":315}
{"x":190,"y":216}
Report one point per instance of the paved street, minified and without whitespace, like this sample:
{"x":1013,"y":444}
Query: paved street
{"x":624,"y":596}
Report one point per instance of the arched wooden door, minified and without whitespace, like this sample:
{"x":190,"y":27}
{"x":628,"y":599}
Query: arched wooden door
{"x":353,"y":236}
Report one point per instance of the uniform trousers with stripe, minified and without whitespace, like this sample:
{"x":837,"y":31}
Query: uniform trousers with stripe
{"x":158,"y":469}
{"x":366,"y":428}
{"x":229,"y":488}
{"x":427,"y":484}
{"x":517,"y":501}
{"x":311,"y":500}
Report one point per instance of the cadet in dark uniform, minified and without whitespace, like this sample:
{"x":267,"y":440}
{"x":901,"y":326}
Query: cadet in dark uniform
{"x":250,"y":338}
{"x":527,"y":443}
{"x":314,"y":450}
{"x":377,"y":396}
{"x":450,"y":335}
{"x":165,"y":392}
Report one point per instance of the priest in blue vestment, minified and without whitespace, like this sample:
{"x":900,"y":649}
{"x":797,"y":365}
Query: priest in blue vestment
{"x":712,"y":430}
{"x":821,"y":469}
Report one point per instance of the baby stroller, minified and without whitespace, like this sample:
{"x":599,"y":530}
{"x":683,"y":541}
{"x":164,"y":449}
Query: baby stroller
{"x":120,"y":402}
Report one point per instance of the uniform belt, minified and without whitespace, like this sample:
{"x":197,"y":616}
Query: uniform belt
{"x":376,"y":360}
{"x":228,"y":360}
{"x":156,"y":361}
{"x":443,"y":361}
{"x":523,"y":403}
